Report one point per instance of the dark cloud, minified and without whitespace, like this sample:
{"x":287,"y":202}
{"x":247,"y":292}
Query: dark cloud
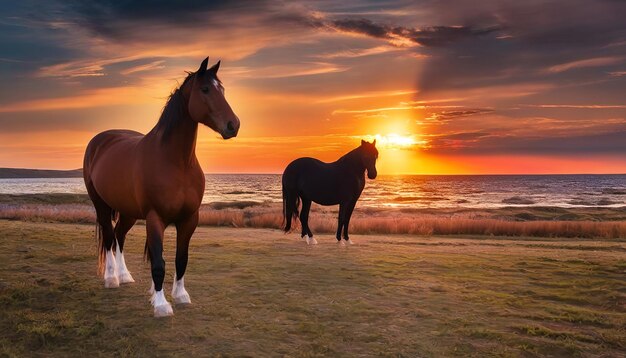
{"x":493,"y":43}
{"x":111,"y":18}
{"x":612,"y":143}
{"x":428,"y":36}
{"x":445,"y":35}
{"x":534,"y":36}
{"x":126,"y":20}
{"x":362,"y":26}
{"x":444,"y":116}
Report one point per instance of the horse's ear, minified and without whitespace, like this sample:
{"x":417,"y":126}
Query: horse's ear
{"x":363,"y":142}
{"x":374,"y":142}
{"x":215,"y":67}
{"x":203,"y":65}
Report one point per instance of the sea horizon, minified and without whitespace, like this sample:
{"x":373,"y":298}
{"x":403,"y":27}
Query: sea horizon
{"x":380,"y":174}
{"x":444,"y":191}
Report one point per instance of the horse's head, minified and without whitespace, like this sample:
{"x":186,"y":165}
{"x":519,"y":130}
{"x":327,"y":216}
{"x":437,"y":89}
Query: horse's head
{"x":207,"y":104}
{"x":369,"y":156}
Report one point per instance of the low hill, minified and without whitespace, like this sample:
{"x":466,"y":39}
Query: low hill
{"x":11,"y":173}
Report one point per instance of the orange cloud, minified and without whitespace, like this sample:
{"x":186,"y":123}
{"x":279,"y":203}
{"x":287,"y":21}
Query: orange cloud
{"x":90,"y":98}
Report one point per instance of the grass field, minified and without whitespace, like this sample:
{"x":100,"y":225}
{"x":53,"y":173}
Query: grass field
{"x":258,"y":292}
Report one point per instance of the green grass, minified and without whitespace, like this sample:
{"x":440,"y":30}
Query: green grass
{"x":258,"y":292}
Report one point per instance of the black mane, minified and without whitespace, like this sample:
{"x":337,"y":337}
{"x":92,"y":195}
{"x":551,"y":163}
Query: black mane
{"x":175,"y":107}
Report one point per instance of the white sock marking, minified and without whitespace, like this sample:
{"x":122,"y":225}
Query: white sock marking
{"x":162,"y":308}
{"x":179,"y":293}
{"x":110,"y":271}
{"x":123,"y":274}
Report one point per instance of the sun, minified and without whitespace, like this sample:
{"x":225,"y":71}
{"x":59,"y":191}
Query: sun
{"x":396,"y":141}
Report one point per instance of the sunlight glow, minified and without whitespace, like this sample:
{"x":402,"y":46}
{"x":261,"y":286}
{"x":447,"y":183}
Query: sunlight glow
{"x":396,"y":141}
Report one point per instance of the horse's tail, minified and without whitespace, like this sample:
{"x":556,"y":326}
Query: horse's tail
{"x":115,"y":216}
{"x":100,"y":244}
{"x":291,"y":202}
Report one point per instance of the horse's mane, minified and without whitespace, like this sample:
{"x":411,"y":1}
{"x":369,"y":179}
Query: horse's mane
{"x":175,"y":107}
{"x":351,"y":155}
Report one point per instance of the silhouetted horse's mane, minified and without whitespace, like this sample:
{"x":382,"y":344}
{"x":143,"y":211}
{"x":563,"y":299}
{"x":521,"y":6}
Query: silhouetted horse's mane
{"x":349,"y":158}
{"x":175,"y":106}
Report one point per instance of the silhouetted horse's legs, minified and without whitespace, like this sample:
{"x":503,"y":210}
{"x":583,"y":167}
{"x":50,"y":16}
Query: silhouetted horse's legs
{"x":124,"y":224}
{"x":184,"y":230}
{"x":304,"y":220}
{"x":155,"y":228}
{"x":342,"y":209}
{"x":346,"y":220}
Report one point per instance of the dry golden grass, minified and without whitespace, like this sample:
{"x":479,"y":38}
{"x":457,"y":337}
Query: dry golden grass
{"x":544,"y":222}
{"x":67,"y":213}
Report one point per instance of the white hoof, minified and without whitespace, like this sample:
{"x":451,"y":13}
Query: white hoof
{"x":111,"y":282}
{"x":182,"y":299}
{"x":163,"y":311}
{"x":310,"y":240}
{"x":110,"y":271}
{"x":349,"y":242}
{"x":340,"y":243}
{"x":162,"y":308}
{"x":123,"y":275}
{"x":180,"y":295}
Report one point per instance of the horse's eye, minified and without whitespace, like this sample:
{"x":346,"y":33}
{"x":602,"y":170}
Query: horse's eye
{"x":205,"y":89}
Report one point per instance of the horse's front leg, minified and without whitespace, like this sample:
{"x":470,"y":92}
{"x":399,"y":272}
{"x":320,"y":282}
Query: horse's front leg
{"x":155,"y":229}
{"x":184,"y":230}
{"x":346,"y":222}
{"x":122,"y":227}
{"x":342,"y":208}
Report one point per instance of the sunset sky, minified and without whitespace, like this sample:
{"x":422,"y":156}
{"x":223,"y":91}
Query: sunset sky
{"x":447,"y":87}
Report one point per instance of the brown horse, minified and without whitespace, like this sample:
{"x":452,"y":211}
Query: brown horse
{"x":156,"y":177}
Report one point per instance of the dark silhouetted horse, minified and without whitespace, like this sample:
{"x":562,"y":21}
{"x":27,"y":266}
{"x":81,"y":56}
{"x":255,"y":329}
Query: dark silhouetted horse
{"x":156,"y":177}
{"x":341,"y":182}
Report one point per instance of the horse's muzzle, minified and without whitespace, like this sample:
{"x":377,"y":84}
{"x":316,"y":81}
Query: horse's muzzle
{"x":372,"y":174}
{"x":231,"y":130}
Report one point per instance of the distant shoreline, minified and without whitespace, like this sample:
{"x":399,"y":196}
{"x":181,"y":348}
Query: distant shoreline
{"x":18,"y":173}
{"x":25,"y":173}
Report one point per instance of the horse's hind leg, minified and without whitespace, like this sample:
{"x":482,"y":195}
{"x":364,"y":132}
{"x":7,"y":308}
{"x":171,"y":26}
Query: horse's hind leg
{"x":184,"y":230}
{"x":155,"y":229}
{"x":304,"y":221}
{"x":103,"y":216}
{"x":124,"y":224}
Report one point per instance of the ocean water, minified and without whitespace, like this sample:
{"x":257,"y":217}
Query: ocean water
{"x":419,"y":191}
